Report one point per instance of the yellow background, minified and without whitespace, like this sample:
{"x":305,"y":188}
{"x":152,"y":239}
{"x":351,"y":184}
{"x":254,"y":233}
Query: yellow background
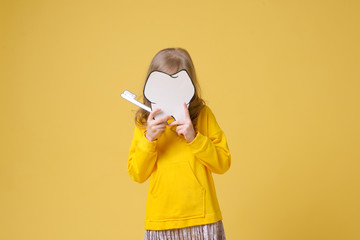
{"x":282,"y":78}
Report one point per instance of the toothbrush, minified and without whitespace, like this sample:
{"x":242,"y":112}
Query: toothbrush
{"x":131,"y":98}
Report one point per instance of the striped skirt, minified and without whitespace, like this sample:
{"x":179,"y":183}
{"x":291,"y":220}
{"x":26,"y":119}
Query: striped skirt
{"x":212,"y":231}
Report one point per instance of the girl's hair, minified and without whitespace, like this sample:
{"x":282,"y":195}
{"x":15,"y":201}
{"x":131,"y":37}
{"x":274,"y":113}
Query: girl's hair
{"x":170,"y":61}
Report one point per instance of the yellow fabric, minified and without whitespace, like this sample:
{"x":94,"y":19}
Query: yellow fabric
{"x":181,"y":190}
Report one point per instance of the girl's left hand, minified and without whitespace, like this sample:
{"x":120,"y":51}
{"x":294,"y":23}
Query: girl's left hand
{"x":185,"y":127}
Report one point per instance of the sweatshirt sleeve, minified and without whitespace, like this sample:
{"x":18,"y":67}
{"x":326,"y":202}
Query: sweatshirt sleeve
{"x":142,"y":156}
{"x":210,"y":147}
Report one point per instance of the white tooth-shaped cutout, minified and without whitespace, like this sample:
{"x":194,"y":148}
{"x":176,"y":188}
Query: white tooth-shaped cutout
{"x":169,"y":92}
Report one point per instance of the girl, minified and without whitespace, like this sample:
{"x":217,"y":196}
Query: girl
{"x":179,"y":158}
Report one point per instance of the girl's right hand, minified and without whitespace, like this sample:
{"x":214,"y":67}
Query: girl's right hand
{"x":155,"y":127}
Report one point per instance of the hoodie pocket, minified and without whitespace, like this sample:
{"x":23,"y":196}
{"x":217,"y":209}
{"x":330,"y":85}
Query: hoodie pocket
{"x":176,"y":193}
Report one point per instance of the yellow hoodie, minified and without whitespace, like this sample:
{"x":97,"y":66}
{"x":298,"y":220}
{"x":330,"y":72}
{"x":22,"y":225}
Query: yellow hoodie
{"x":181,"y":190}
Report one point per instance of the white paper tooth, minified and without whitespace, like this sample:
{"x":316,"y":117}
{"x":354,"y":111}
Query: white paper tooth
{"x":169,"y":92}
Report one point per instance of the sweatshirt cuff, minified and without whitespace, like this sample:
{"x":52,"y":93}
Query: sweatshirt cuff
{"x":199,"y":143}
{"x":147,"y":145}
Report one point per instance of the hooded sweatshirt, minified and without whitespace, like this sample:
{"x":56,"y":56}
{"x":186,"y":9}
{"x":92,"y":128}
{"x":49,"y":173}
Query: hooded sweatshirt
{"x":181,"y":191}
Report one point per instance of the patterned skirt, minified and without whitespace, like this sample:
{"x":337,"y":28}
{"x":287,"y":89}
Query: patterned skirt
{"x":212,"y":231}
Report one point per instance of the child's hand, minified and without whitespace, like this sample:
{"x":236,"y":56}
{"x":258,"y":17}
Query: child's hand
{"x":155,"y":127}
{"x":184,"y":127}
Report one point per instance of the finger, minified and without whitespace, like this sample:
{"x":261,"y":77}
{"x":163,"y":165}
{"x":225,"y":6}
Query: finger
{"x":187,"y":115}
{"x":162,"y":120}
{"x":153,"y":113}
{"x":159,"y":129}
{"x":160,"y":125}
{"x":180,"y":132}
{"x":177,"y":122}
{"x":179,"y":129}
{"x":153,"y":127}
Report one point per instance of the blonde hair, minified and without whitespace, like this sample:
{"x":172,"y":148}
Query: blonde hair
{"x":170,"y":61}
